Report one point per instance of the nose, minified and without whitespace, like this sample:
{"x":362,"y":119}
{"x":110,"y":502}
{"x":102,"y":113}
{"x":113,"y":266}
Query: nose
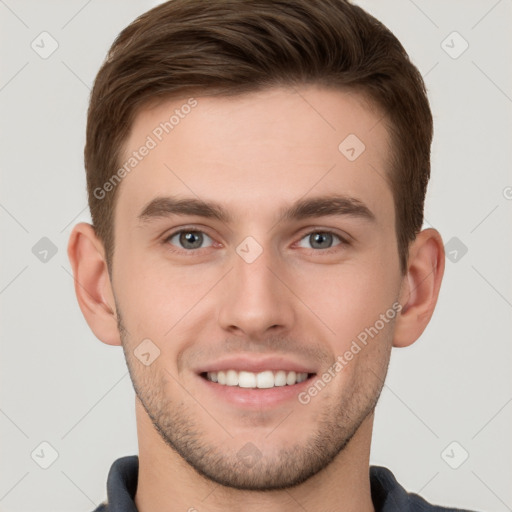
{"x":256,"y":299}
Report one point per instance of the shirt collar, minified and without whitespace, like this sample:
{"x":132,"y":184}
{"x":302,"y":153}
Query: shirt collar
{"x":122,"y":484}
{"x":387,"y":494}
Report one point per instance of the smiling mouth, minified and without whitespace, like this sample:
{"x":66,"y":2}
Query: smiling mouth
{"x":261,"y":380}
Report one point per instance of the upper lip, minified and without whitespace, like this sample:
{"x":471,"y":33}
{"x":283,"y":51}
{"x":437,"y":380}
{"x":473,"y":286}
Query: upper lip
{"x":256,"y":365}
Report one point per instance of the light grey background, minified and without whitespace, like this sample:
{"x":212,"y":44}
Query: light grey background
{"x":60,"y":385}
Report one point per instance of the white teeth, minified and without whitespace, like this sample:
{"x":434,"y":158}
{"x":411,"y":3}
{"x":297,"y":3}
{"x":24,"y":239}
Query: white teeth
{"x":265,"y":380}
{"x":262,"y":380}
{"x":291,"y":378}
{"x":280,"y":378}
{"x":231,"y":378}
{"x":246,"y":379}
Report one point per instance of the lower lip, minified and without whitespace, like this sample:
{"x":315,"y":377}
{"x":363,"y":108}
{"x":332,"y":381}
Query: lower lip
{"x":256,"y":397}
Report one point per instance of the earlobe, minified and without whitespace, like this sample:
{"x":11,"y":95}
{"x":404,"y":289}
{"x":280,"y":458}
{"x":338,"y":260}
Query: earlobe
{"x":420,"y":287}
{"x":92,"y":283}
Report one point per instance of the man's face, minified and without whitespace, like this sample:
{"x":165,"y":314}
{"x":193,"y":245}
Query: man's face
{"x":257,"y":290}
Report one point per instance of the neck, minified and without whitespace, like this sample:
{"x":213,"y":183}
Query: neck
{"x":166,"y":483}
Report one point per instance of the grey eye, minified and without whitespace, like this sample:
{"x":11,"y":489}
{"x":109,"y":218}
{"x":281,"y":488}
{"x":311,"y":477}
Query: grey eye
{"x":320,"y":239}
{"x":189,"y":239}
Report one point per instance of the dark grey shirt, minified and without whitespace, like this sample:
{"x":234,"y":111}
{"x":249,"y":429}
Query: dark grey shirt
{"x":387,"y":494}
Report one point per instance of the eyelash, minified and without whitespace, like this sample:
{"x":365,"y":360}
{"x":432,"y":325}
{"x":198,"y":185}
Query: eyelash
{"x":192,"y":229}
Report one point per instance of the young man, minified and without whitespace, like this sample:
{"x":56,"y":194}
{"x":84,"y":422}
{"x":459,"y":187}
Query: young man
{"x":256,"y":173}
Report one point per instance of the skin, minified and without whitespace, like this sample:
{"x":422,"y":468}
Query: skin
{"x":255,"y":154}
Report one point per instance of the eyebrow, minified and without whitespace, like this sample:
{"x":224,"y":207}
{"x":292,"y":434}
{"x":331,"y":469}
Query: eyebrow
{"x":329,"y":205}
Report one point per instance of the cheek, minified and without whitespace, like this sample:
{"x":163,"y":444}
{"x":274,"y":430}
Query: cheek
{"x":155,"y":295}
{"x":351,"y":304}
{"x":349,"y":298}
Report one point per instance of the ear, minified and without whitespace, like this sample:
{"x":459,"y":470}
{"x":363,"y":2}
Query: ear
{"x":92,"y":283}
{"x":420,"y":287}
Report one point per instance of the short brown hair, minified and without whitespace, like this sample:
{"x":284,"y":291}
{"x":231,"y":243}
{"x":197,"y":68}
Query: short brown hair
{"x":230,"y":47}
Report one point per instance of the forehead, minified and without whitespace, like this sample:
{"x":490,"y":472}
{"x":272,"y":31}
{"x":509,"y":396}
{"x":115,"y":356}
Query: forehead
{"x":257,"y":152}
